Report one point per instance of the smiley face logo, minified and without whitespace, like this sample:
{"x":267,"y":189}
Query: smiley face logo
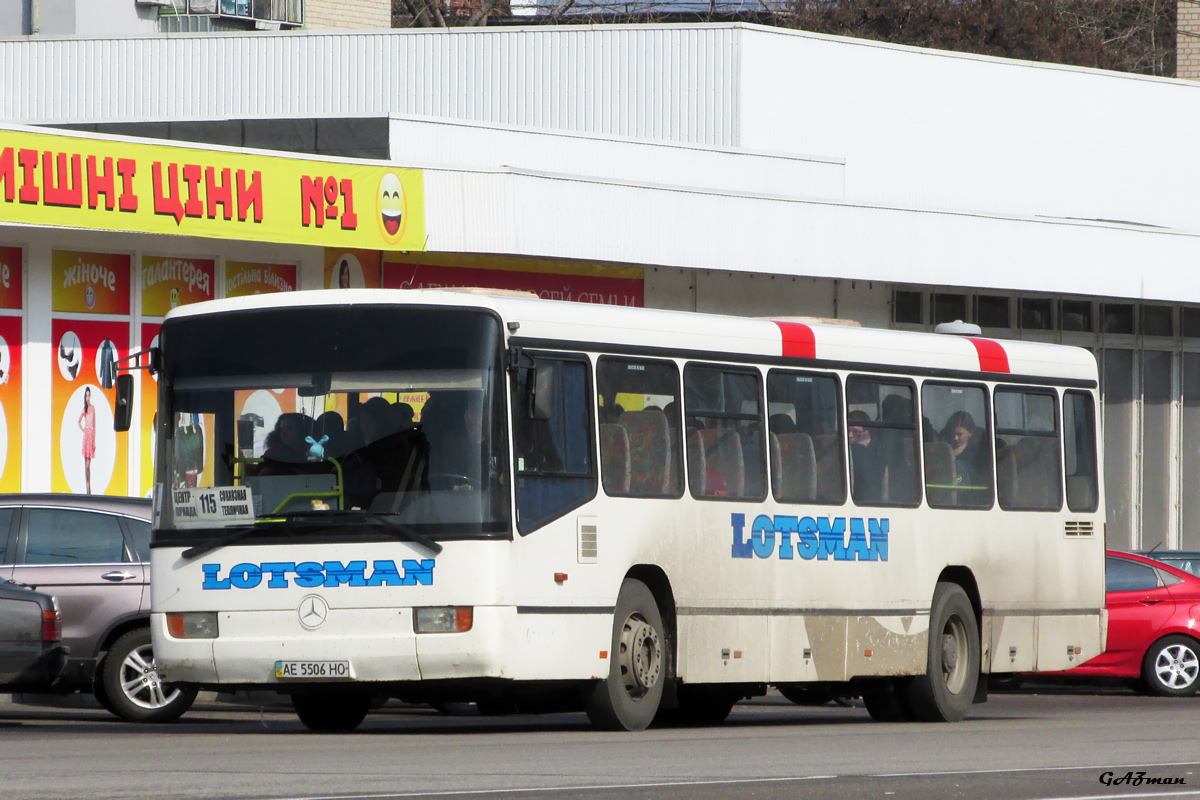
{"x":89,"y":297}
{"x":175,"y":297}
{"x":392,"y":219}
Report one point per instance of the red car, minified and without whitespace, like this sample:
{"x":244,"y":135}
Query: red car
{"x":1153,"y":626}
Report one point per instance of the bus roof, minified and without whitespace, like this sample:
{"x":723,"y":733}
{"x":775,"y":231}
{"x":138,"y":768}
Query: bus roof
{"x":593,"y":326}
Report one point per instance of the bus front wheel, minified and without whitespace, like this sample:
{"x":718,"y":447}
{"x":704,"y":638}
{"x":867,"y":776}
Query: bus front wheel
{"x":331,"y":711}
{"x":629,"y":697}
{"x":947,"y":689}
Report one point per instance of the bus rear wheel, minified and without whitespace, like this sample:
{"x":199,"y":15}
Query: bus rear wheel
{"x":331,"y":711}
{"x":947,"y":689}
{"x":629,"y":697}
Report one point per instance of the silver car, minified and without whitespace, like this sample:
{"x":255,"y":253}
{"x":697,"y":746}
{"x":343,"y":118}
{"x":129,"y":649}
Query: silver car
{"x":92,"y":553}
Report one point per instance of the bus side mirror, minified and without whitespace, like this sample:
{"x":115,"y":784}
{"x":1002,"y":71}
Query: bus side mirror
{"x":541,"y":391}
{"x":123,"y":414}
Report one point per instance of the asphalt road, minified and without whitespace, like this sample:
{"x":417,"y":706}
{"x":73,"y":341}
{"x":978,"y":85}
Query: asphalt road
{"x":1042,"y":742}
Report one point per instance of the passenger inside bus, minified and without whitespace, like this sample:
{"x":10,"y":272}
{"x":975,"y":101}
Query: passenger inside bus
{"x":867,"y":464}
{"x":286,"y":442}
{"x":970,"y":459}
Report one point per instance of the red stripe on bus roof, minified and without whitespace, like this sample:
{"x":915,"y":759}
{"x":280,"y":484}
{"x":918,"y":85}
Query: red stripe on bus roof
{"x":992,"y":357}
{"x":798,"y":340}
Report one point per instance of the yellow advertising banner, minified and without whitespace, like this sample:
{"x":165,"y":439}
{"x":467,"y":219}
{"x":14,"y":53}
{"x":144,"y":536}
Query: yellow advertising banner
{"x":90,"y":283}
{"x":246,"y":277}
{"x":168,"y":282}
{"x":73,"y":181}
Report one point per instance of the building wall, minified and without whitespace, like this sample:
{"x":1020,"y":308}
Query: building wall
{"x":324,"y":15}
{"x":930,"y":129}
{"x":1187,"y":54}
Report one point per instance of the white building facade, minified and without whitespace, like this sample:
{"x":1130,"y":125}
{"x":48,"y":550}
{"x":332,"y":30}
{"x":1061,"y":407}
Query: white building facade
{"x":725,"y":168}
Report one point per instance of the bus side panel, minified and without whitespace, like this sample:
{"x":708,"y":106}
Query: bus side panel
{"x":1012,"y":642}
{"x":800,"y":655}
{"x":887,"y":645}
{"x":1067,"y":641}
{"x":561,"y":646}
{"x":723,"y":649}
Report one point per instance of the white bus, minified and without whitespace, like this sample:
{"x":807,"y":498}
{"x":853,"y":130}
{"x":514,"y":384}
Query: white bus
{"x":535,"y":505}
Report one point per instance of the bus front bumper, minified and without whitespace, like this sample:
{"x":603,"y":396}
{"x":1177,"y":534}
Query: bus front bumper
{"x":373,"y":644}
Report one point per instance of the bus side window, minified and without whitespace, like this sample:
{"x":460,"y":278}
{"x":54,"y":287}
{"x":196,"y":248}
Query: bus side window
{"x":805,"y":438}
{"x":1028,"y":454}
{"x":957,"y":445}
{"x":640,"y":436}
{"x":554,"y":460}
{"x":726,"y":454}
{"x":1079,"y":434}
{"x":882,"y":429}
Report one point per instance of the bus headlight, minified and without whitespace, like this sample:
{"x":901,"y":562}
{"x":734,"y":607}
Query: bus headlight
{"x":443,"y":619}
{"x":193,"y":625}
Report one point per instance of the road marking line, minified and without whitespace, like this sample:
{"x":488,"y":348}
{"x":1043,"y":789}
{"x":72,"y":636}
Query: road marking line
{"x":733,"y":781}
{"x":1192,"y":793}
{"x":462,"y":792}
{"x":1101,"y":767}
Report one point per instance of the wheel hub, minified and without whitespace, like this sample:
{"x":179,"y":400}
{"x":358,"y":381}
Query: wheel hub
{"x":1177,"y":667}
{"x":640,"y":656}
{"x":140,"y":680}
{"x":954,"y":648}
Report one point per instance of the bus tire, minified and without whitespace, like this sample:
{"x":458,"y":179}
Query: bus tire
{"x":947,"y":689}
{"x":887,"y":701}
{"x":628,"y":698}
{"x":331,"y":710}
{"x":1171,"y":667}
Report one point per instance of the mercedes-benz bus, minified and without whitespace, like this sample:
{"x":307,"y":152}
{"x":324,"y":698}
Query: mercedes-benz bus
{"x":533,"y":505}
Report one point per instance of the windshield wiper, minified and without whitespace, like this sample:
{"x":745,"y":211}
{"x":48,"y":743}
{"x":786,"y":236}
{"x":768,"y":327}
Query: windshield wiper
{"x":212,"y":544}
{"x":315,"y":519}
{"x":404,"y":532}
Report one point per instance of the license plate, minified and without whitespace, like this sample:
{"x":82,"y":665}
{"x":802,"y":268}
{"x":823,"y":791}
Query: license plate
{"x":299,"y":670}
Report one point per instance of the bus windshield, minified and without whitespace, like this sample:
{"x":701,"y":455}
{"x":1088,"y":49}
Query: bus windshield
{"x":339,"y":417}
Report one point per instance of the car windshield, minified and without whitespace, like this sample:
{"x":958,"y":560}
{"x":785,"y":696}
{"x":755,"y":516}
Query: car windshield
{"x":333,"y":417}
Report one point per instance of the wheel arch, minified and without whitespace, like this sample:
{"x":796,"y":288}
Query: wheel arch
{"x":118,"y":629}
{"x":659,"y":584}
{"x":965,"y":578}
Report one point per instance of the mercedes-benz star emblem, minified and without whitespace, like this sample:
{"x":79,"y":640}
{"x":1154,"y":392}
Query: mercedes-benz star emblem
{"x":313,"y":610}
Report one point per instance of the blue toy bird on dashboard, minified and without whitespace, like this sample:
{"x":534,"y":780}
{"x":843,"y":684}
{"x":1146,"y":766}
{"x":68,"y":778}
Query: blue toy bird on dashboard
{"x":316,"y":449}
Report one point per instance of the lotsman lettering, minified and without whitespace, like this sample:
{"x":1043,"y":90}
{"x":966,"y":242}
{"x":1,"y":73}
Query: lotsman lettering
{"x":741,"y":548}
{"x":762,"y":536}
{"x":832,"y":538}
